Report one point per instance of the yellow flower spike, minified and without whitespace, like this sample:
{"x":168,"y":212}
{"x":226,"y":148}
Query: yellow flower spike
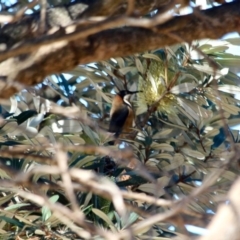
{"x":154,"y":88}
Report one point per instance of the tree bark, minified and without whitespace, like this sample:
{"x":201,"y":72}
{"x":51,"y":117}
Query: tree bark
{"x":34,"y":59}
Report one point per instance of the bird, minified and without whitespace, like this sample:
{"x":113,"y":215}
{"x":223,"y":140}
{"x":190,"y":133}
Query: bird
{"x":121,"y":113}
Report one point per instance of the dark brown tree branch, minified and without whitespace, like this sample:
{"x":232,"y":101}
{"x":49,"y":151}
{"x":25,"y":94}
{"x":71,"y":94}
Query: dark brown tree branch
{"x":23,"y":27}
{"x":61,"y":51}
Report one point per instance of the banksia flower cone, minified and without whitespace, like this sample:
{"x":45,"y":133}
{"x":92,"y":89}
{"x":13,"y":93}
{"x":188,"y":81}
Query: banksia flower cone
{"x":154,"y":88}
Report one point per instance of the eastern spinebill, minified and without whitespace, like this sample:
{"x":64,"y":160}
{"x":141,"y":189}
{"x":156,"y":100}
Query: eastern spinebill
{"x":121,"y":114}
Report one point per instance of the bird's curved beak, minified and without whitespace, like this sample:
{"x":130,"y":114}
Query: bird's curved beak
{"x":132,"y":92}
{"x":128,"y":96}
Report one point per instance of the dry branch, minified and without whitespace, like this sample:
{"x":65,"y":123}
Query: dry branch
{"x":225,"y":224}
{"x":62,"y":51}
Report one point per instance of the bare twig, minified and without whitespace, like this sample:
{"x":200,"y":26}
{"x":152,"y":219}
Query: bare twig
{"x":71,"y":35}
{"x":130,"y":7}
{"x":123,"y":157}
{"x":63,"y":213}
{"x":179,"y":206}
{"x":62,"y":160}
{"x":43,"y":13}
{"x":18,"y":15}
{"x":147,"y":199}
{"x":225,"y":223}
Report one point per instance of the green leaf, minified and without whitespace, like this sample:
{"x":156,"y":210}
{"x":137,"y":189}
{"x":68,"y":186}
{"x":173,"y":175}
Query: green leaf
{"x":193,"y":153}
{"x":183,"y":87}
{"x":234,"y":41}
{"x":229,"y":89}
{"x":6,"y":198}
{"x":162,"y":146}
{"x":104,"y":217}
{"x":46,"y":213}
{"x":12,"y":221}
{"x":152,"y":56}
{"x":132,"y":218}
{"x":16,"y":206}
{"x":230,"y":61}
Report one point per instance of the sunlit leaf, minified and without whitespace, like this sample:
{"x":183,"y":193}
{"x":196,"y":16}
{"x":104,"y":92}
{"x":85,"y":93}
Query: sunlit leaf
{"x":46,"y":212}
{"x":104,"y":217}
{"x":183,"y":87}
{"x":193,"y":153}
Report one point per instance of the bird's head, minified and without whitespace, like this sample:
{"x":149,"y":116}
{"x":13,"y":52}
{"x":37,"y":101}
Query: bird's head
{"x":125,"y":95}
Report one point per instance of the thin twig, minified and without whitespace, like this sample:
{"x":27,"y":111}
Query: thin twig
{"x":130,"y":7}
{"x":113,"y":22}
{"x":43,"y":13}
{"x":19,"y":14}
{"x":61,"y":158}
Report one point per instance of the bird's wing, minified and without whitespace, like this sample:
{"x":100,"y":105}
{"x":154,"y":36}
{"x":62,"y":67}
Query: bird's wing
{"x":117,"y":120}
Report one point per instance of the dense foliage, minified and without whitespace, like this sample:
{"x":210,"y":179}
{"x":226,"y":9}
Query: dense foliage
{"x":55,"y":145}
